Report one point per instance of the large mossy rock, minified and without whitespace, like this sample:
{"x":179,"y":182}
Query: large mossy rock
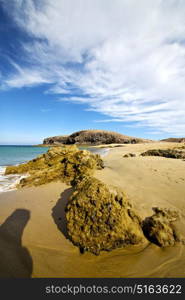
{"x":159,"y":228}
{"x":66,"y":163}
{"x":98,"y":219}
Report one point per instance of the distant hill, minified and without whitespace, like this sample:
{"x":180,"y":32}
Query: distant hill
{"x":174,"y":140}
{"x":93,"y":137}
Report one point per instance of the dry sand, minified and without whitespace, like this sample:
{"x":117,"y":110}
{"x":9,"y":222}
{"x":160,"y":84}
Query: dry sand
{"x":33,"y":239}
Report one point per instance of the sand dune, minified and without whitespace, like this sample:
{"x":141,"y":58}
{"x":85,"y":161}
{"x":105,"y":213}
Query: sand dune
{"x":33,"y":237}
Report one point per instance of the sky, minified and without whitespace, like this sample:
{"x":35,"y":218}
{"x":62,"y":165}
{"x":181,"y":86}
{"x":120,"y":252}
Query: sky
{"x":91,"y":64}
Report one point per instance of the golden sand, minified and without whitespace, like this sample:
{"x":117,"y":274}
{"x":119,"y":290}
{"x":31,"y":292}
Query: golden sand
{"x":33,"y":237}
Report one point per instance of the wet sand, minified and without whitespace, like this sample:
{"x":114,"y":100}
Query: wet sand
{"x":33,"y":237}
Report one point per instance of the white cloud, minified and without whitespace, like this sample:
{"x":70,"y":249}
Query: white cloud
{"x":125,"y":58}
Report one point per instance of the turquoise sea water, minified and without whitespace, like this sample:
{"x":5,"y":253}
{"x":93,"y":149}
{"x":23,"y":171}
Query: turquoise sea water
{"x":13,"y":155}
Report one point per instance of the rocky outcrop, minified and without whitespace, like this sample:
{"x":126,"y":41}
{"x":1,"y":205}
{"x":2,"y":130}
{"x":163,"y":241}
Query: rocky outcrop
{"x":178,"y":153}
{"x":94,"y":137}
{"x":174,"y":140}
{"x":159,"y":228}
{"x":98,"y":219}
{"x":55,"y":140}
{"x":67,"y":163}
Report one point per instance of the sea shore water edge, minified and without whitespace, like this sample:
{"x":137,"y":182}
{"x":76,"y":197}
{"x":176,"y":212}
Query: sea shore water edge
{"x":15,"y":155}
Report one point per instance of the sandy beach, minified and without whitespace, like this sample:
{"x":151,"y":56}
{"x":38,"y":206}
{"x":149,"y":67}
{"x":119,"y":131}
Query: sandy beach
{"x":33,"y":237}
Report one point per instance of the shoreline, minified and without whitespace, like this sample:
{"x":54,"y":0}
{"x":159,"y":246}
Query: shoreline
{"x":8,"y":184}
{"x":42,"y":249}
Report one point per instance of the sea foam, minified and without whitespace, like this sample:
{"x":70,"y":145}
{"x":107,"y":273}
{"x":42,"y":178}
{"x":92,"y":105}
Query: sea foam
{"x":9,"y":182}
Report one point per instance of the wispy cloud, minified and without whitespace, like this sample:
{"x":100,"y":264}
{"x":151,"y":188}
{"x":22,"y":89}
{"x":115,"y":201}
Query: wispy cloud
{"x":124,"y":58}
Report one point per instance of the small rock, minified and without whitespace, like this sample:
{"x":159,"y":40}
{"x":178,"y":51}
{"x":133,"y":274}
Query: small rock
{"x":129,"y":155}
{"x":159,"y":229}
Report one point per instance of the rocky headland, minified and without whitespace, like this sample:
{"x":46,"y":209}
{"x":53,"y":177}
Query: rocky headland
{"x":93,"y":137}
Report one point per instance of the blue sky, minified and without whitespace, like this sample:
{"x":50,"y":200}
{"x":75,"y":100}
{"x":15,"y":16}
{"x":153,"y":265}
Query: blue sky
{"x":89,"y":64}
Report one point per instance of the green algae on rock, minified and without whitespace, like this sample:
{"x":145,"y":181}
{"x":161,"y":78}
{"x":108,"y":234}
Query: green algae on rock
{"x":99,"y":219}
{"x":159,"y":229}
{"x":66,"y":163}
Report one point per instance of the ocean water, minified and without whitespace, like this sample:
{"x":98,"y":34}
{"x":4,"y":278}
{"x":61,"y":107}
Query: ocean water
{"x":14,"y":155}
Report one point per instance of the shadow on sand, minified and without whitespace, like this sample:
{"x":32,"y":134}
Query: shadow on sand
{"x":58,"y":212}
{"x":15,"y":260}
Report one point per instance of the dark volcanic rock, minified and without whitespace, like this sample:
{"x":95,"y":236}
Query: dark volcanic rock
{"x":159,"y":229}
{"x":169,"y":153}
{"x":94,"y":137}
{"x":98,"y":219}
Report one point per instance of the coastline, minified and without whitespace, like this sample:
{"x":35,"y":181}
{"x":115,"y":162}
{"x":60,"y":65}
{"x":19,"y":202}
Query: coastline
{"x":9,"y":182}
{"x":147,"y":181}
